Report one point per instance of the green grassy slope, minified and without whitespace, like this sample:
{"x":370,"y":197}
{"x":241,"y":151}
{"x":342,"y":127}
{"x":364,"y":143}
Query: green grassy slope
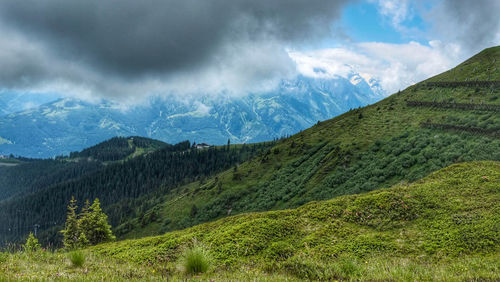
{"x":443,"y":227}
{"x":402,"y":138}
{"x":484,"y":66}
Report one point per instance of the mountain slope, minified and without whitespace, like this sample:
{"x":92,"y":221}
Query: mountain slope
{"x":445,"y":227}
{"x":402,"y":138}
{"x":70,"y":125}
{"x":452,"y":213}
{"x":120,"y":148}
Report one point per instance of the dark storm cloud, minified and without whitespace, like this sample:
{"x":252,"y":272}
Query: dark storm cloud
{"x":473,"y":24}
{"x":133,"y":38}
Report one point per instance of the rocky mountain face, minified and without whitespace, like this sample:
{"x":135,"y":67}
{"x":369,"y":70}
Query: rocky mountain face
{"x":67,"y":125}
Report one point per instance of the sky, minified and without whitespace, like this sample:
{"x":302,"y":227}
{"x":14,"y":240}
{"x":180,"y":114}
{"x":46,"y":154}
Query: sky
{"x":127,"y":50}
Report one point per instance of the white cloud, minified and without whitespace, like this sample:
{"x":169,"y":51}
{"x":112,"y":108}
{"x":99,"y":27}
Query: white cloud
{"x":396,"y":10}
{"x":328,"y":63}
{"x":396,"y":66}
{"x":240,"y":68}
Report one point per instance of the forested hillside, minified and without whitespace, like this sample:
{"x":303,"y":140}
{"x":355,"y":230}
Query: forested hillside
{"x":30,"y":175}
{"x":121,"y":186}
{"x":450,"y":118}
{"x":119,"y":148}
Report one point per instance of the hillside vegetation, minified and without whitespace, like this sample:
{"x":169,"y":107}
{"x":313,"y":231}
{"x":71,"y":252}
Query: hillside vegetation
{"x":452,"y":117}
{"x":33,"y":174}
{"x":121,"y":172}
{"x":443,"y":227}
{"x":120,"y":148}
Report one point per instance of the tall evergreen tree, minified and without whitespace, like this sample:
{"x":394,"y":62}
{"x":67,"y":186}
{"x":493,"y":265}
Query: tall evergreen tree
{"x":71,"y":231}
{"x":84,"y":223}
{"x":97,"y":230}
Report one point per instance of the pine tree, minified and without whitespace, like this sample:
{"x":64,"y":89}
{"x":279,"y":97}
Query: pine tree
{"x":71,"y":231}
{"x":84,"y":223}
{"x":97,"y":230}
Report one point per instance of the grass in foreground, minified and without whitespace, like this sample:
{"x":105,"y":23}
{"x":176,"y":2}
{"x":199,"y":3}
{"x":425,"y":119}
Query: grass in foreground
{"x":77,"y":258}
{"x":56,"y":266}
{"x":46,"y":265}
{"x":196,"y":261}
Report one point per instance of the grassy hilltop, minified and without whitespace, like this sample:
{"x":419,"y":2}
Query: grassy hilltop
{"x":443,"y":227}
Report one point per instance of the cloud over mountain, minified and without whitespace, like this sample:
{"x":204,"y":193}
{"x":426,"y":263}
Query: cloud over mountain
{"x":128,"y":49}
{"x":99,"y":45}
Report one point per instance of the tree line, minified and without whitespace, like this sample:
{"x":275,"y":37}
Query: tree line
{"x":32,"y":175}
{"x":117,"y":184}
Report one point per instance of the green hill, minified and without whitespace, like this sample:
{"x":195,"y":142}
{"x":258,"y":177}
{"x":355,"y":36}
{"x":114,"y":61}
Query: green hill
{"x":443,"y":227}
{"x":452,"y":117}
{"x":120,"y":148}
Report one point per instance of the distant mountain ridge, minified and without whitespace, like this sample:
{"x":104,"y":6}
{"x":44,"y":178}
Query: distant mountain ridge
{"x":16,"y":102}
{"x":67,"y":125}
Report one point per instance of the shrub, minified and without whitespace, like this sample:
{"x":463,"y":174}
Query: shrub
{"x":31,"y":244}
{"x":196,"y":260}
{"x":279,"y":250}
{"x":77,"y":258}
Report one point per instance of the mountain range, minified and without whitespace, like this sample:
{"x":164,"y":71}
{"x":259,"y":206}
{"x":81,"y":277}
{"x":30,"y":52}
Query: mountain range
{"x":67,"y":124}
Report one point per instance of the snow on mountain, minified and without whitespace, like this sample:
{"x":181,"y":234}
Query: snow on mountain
{"x":69,"y":125}
{"x":16,"y":102}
